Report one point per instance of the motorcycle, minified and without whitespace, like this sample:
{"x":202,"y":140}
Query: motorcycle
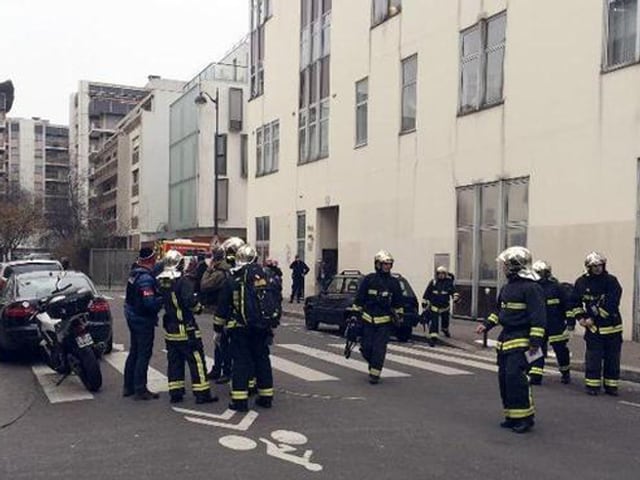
{"x":66,"y":342}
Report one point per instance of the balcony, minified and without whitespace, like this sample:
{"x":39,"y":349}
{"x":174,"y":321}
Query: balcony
{"x":98,"y":131}
{"x":56,"y":145}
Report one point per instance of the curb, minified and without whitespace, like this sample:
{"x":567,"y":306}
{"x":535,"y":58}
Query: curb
{"x":627,"y":372}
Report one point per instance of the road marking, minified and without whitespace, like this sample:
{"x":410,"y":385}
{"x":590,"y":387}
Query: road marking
{"x":339,"y":360}
{"x":242,"y":426}
{"x":631,"y":404}
{"x":156,"y":381}
{"x":299,"y":371}
{"x":226,"y":415}
{"x":235,"y":442}
{"x":71,"y":390}
{"x":490,"y":357}
{"x":444,"y":358}
{"x":107,"y":297}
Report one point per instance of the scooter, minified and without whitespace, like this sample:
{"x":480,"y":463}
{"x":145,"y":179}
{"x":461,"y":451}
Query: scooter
{"x":66,"y":342}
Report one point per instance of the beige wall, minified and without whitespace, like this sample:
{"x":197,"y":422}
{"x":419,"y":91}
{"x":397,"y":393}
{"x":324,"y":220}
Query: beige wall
{"x":573,"y":130}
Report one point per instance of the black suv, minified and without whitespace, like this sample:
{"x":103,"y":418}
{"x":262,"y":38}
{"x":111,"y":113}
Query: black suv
{"x":331,"y":305}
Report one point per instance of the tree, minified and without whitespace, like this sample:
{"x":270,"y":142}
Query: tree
{"x":20,"y":219}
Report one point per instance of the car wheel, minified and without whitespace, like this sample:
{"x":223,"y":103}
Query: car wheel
{"x":311,"y":324}
{"x":403,"y":334}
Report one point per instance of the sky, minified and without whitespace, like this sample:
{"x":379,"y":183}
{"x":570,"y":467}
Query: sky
{"x":48,"y":46}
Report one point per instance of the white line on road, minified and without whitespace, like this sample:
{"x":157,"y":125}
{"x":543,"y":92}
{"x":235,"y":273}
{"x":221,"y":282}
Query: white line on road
{"x":226,"y":415}
{"x":631,"y":404}
{"x":156,"y":381}
{"x":300,"y":371}
{"x":412,"y":362}
{"x":444,"y":358}
{"x":489,"y":357}
{"x":243,"y":426}
{"x":339,"y":360}
{"x":70,"y":390}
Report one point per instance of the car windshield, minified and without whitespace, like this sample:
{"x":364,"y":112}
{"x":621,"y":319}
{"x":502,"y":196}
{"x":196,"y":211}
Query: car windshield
{"x":343,"y":285}
{"x":31,"y":267}
{"x":39,"y":287}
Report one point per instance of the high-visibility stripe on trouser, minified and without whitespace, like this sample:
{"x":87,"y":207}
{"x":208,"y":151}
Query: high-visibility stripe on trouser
{"x":374,"y":346}
{"x":612,"y":383}
{"x":239,"y":394}
{"x":516,"y":394}
{"x":536,"y":371}
{"x":177,"y":385}
{"x":265,"y":392}
{"x":253,"y":381}
{"x":375,"y":372}
{"x":593,"y":383}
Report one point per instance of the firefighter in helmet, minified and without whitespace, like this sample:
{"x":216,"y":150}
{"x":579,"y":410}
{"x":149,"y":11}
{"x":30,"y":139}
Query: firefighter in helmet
{"x":379,"y":304}
{"x":596,"y":307}
{"x":436,"y":302}
{"x":522,"y":314}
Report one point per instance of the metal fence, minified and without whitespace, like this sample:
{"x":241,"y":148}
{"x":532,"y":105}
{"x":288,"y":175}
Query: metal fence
{"x":109,"y":267}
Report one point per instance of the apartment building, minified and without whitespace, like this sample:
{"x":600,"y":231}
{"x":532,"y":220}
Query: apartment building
{"x":129,"y":183}
{"x":6,"y":102}
{"x":37,"y":161}
{"x":445,"y":132}
{"x":94,"y":112}
{"x":213,"y":101}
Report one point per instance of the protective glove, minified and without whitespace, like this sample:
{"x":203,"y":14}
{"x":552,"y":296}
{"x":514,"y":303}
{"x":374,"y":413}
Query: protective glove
{"x":456,"y":297}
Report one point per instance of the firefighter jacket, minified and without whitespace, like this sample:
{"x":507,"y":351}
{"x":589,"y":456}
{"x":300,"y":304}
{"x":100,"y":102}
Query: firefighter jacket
{"x":180,"y":305}
{"x":598,"y":297}
{"x":230,"y":310}
{"x":379,"y":298}
{"x":558,"y":308}
{"x":438,"y":294}
{"x":142,"y":302}
{"x":521,"y":313}
{"x":213,"y":281}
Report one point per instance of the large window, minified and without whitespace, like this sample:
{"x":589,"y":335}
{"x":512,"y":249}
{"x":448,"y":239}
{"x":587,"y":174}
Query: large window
{"x":301,"y":227}
{"x":263,"y":236}
{"x":490,"y":218}
{"x":362,"y":112}
{"x":315,"y":50}
{"x":267,"y":148}
{"x":409,"y":93}
{"x":622,"y":32}
{"x":482,"y":50}
{"x":223,"y":198}
{"x":381,"y":10}
{"x":260,"y":12}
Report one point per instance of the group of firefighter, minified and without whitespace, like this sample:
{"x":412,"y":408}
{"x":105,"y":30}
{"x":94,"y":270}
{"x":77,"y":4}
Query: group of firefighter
{"x":533,"y":309}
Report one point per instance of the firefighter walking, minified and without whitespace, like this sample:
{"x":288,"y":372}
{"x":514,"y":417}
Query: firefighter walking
{"x":182,"y":334}
{"x":436,"y":303}
{"x":522,"y":315}
{"x":379,"y":303}
{"x":559,"y":317}
{"x":597,"y":301}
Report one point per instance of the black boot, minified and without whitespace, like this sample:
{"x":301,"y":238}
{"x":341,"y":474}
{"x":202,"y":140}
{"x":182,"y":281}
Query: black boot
{"x":508,"y":423}
{"x":566,"y":378}
{"x":446,"y":332}
{"x":593,"y":391}
{"x":264,"y":402}
{"x":535,"y":380}
{"x":522,"y":426}
{"x":374,"y":379}
{"x":176,"y":399}
{"x":613,"y":391}
{"x":239,"y":405}
{"x":206,"y":398}
{"x":146,"y":395}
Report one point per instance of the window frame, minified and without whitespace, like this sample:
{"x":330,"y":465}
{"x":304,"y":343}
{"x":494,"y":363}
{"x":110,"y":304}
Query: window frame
{"x":480,"y":102}
{"x":256,"y":48}
{"x":405,"y":86}
{"x":301,"y":216}
{"x":262,"y":147}
{"x":362,"y":105}
{"x":606,"y":41}
{"x":263,"y":237}
{"x":388,"y":14}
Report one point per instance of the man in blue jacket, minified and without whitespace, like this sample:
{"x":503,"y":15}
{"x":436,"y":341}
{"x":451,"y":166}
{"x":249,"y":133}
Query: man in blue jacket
{"x":141,"y":308}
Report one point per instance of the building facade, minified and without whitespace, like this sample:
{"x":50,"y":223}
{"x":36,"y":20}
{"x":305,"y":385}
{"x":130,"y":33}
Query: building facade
{"x":94,"y":112}
{"x":195,"y":118}
{"x":130,"y":176}
{"x":37,"y":161}
{"x":445,"y":132}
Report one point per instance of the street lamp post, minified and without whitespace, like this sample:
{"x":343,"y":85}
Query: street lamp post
{"x":201,"y":99}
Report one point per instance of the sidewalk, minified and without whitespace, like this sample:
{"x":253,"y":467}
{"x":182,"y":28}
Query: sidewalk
{"x":465,"y":338}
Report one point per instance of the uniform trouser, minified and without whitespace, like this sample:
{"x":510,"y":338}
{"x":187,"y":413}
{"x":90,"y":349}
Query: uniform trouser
{"x":374,"y":345}
{"x":297,"y":289}
{"x":140,"y":351}
{"x":515,"y":391}
{"x":561,"y":349}
{"x":222,"y":355}
{"x":434,"y":323}
{"x":250,"y":355}
{"x":602,"y":360}
{"x":179,"y":352}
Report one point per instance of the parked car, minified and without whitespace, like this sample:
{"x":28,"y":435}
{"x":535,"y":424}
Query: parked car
{"x":331,"y":305}
{"x":23,"y":266}
{"x":18,"y":330}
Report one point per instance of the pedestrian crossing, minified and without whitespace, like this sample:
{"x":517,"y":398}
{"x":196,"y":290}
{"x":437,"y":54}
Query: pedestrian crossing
{"x":313,"y":364}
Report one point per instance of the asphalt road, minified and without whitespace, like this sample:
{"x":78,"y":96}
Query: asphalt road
{"x":438,"y":418}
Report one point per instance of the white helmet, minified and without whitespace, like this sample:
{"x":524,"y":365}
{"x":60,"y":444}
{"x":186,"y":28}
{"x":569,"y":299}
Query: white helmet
{"x":382,"y":257}
{"x":442,"y":269}
{"x":517,"y":260}
{"x":245,"y":255}
{"x":542,"y":268}
{"x":594,"y":259}
{"x":172,"y":259}
{"x":231,"y":245}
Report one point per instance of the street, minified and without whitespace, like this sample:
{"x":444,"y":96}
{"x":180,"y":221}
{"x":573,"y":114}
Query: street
{"x":434,"y":415}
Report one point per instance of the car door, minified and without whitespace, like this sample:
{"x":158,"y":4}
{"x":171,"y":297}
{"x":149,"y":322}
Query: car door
{"x":6,"y":296}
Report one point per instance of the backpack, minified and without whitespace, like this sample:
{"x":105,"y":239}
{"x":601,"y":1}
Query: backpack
{"x":262,"y":298}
